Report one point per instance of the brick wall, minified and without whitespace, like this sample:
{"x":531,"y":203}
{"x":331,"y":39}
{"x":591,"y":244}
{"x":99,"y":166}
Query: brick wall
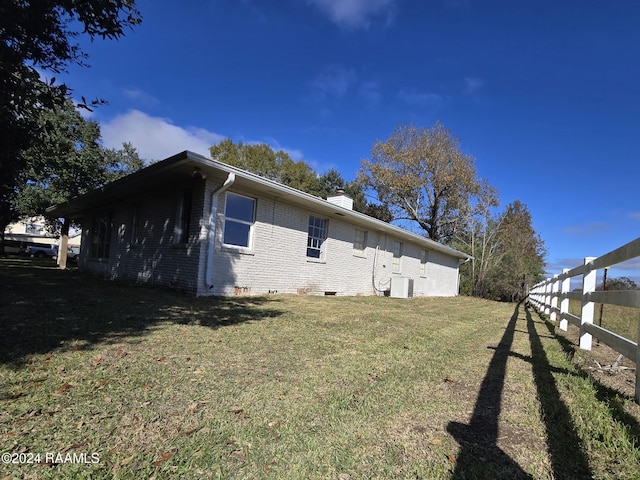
{"x":143,"y":247}
{"x":277,"y":261}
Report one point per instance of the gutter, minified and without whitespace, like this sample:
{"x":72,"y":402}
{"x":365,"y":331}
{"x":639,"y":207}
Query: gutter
{"x":213,"y":214}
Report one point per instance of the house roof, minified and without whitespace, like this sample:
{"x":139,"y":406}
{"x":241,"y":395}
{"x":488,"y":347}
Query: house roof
{"x":185,"y":164}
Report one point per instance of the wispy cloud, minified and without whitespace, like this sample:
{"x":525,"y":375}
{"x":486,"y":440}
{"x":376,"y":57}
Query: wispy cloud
{"x":334,"y":81}
{"x":355,"y":13}
{"x":141,"y":97}
{"x":414,"y":97}
{"x":294,"y":153}
{"x":155,"y":137}
{"x":472,"y":85}
{"x":370,"y":93}
{"x":634,"y":215}
{"x":588,"y":229}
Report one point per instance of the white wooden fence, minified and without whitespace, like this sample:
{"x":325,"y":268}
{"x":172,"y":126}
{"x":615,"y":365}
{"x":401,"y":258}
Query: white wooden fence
{"x":546,"y":295}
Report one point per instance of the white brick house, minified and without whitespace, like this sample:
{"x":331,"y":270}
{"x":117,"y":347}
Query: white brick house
{"x":191,"y":223}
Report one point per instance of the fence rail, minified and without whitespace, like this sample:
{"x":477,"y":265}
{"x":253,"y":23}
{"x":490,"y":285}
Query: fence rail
{"x":546,"y":295}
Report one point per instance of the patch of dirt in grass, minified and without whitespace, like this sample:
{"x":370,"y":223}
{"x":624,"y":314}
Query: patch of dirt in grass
{"x":622,"y":380}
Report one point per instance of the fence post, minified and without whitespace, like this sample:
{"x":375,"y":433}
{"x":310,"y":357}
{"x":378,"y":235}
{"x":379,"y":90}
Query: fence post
{"x":554,"y":298}
{"x":586,"y":315}
{"x":564,"y":304}
{"x":547,"y":296}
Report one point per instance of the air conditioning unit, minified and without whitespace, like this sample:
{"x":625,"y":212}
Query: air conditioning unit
{"x":401,"y":287}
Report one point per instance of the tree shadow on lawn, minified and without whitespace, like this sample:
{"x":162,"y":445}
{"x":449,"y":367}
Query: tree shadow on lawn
{"x":43,"y":308}
{"x":480,"y":456}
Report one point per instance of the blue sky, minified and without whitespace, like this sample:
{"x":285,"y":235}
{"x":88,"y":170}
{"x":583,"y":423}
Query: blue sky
{"x":545,"y":95}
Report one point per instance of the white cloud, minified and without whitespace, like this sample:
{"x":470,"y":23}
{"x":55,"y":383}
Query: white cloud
{"x":156,"y":138}
{"x":421,"y":99}
{"x":634,"y":215}
{"x":354,"y":13}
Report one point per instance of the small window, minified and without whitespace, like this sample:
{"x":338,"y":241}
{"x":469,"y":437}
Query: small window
{"x":317,"y":237}
{"x":33,"y":229}
{"x":183,"y":218}
{"x":397,"y":254}
{"x":360,"y":242}
{"x":239,"y":217}
{"x":424,"y":259}
{"x":101,"y":236}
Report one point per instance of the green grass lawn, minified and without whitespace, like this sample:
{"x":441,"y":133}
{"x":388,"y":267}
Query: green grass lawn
{"x":151,"y":383}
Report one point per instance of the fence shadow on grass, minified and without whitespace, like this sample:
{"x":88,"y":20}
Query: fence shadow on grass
{"x":564,"y":446}
{"x":611,"y":398}
{"x":44,"y":309}
{"x":480,"y":456}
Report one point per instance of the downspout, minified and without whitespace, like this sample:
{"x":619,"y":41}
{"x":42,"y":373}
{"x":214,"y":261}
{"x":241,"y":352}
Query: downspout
{"x":212,"y":227}
{"x":460,"y":263}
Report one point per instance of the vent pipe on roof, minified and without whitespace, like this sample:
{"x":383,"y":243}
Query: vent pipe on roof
{"x":213,"y":214}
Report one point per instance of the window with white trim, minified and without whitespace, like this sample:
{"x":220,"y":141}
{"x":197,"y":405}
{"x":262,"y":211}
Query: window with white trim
{"x":424,"y":259}
{"x":360,"y":242}
{"x":397,"y":255}
{"x":239,"y":218}
{"x":317,"y":237}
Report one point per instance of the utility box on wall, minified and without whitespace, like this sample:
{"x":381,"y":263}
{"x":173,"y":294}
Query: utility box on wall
{"x":401,"y":287}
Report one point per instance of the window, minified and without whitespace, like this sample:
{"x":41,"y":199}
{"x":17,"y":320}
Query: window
{"x":33,"y":229}
{"x":360,"y":242}
{"x":239,"y":217}
{"x":397,"y":253}
{"x":424,"y":258}
{"x":183,"y":218}
{"x":101,"y":236}
{"x":317,"y":237}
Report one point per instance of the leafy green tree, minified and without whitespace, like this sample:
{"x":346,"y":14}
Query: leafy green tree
{"x":508,"y":255}
{"x":67,"y":160}
{"x":40,"y":37}
{"x":278,"y":166}
{"x":423,"y":176}
{"x":262,"y":160}
{"x":619,"y":283}
{"x":522,"y":255}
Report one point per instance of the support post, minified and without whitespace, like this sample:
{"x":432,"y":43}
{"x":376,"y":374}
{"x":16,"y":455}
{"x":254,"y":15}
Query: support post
{"x":545,"y":300}
{"x":564,"y":304}
{"x":586,"y":316}
{"x":554,"y":297}
{"x":64,"y":243}
{"x":637,"y":395}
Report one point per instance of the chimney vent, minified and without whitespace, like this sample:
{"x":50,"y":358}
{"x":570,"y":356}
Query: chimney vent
{"x":341,"y":200}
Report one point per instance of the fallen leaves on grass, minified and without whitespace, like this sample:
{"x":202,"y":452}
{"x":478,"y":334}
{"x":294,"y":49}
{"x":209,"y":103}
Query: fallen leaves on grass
{"x":164,"y":456}
{"x":96,"y":360}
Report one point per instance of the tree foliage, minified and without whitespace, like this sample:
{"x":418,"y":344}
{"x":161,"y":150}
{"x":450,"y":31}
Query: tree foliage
{"x":423,"y":176}
{"x":508,"y":255}
{"x":67,"y":159}
{"x":278,"y":166}
{"x":40,"y":37}
{"x":618,"y":283}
